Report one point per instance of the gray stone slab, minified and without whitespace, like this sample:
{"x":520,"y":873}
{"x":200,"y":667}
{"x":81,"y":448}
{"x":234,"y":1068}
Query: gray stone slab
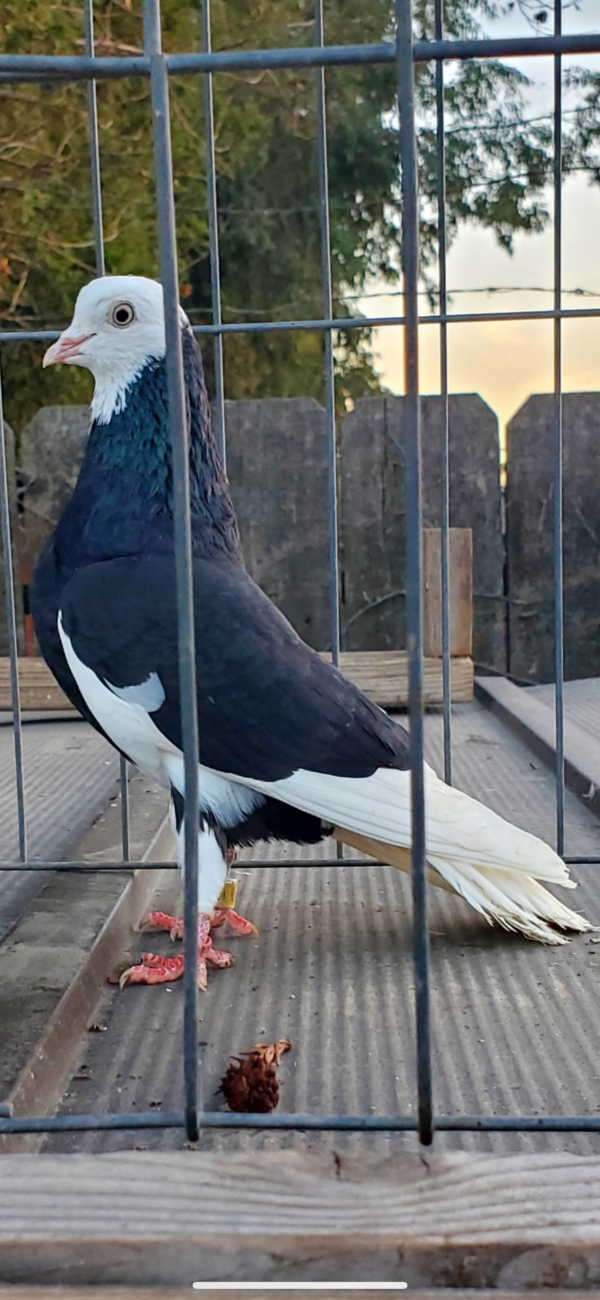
{"x":52,"y":447}
{"x":277,"y":467}
{"x":372,"y":510}
{"x":529,"y":515}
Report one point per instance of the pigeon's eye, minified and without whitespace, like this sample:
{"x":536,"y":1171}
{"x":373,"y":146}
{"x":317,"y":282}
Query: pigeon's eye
{"x":121,"y":315}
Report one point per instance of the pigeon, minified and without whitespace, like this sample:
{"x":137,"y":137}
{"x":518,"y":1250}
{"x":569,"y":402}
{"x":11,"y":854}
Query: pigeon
{"x":289,"y":748}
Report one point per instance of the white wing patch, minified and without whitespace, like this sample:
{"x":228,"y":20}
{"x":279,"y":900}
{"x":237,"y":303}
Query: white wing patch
{"x":124,"y":714}
{"x":212,"y":867}
{"x":149,"y":694}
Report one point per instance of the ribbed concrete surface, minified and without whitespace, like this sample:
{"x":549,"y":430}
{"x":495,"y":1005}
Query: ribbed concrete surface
{"x":70,"y":773}
{"x":516,"y":1026}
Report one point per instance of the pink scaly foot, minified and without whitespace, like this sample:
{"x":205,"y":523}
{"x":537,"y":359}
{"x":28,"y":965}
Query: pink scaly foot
{"x":174,"y":925}
{"x":162,"y":921}
{"x":206,"y":952}
{"x":153,"y":969}
{"x":226,"y":915}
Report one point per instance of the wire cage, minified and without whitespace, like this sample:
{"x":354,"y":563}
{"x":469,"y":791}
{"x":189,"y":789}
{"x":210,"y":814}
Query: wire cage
{"x":404,"y":52}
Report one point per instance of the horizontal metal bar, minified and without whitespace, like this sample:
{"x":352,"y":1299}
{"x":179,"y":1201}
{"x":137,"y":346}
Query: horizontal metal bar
{"x":30,"y":336}
{"x":80,"y":68}
{"x":261,"y":864}
{"x":93,"y":1123}
{"x":87,"y":866}
{"x":257,"y":864}
{"x":582,"y":861}
{"x":395,"y":1123}
{"x":358,"y":322}
{"x":333,"y":1123}
{"x":75,"y":67}
{"x":506,"y":47}
{"x":342,"y":323}
{"x":84,"y":68}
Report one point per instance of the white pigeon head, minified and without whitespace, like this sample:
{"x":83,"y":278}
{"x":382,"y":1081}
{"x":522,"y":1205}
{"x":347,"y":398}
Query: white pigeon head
{"x":118,"y":327}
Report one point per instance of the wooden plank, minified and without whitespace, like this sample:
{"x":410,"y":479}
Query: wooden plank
{"x":153,"y":1293}
{"x":236,"y":1292}
{"x":460,"y":591}
{"x":170,"y":1218}
{"x":381,"y":674}
{"x":38,"y":688}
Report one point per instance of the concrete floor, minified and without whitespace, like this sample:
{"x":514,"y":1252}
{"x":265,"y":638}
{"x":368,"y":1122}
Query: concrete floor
{"x":516,"y":1026}
{"x":70,"y":775}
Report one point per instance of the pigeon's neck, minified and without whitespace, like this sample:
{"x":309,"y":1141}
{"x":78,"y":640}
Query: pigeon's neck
{"x":123,"y":501}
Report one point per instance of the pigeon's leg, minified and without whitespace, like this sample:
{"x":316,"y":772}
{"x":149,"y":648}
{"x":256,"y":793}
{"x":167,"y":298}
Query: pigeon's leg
{"x":212,"y":875}
{"x":211,"y":878}
{"x":221,"y":916}
{"x":162,"y":920}
{"x":227,"y":915}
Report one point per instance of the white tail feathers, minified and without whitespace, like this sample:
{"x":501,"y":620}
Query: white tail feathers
{"x":494,"y":865}
{"x":504,"y":896}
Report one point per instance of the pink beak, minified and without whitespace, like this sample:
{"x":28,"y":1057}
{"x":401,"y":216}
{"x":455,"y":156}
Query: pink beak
{"x":64,"y":348}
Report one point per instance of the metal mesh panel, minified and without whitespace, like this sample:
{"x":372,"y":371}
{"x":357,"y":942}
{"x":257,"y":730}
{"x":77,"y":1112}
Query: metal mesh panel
{"x":404,"y":52}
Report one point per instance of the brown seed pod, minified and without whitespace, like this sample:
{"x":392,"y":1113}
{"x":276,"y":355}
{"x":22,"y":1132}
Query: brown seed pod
{"x":251,"y":1084}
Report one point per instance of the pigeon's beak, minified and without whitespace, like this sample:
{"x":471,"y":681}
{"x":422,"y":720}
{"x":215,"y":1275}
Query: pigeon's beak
{"x":66,"y":348}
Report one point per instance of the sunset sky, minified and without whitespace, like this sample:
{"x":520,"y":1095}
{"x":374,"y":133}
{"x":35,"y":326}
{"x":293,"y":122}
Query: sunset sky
{"x":506,"y":361}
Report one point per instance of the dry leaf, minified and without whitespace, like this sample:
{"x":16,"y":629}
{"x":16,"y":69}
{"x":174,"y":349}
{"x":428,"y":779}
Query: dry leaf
{"x":270,"y":1053}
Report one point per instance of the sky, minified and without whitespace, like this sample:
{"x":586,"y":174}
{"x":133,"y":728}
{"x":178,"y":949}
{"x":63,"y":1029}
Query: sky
{"x":507,"y":361}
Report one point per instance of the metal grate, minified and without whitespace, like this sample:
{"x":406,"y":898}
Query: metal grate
{"x":404,"y":52}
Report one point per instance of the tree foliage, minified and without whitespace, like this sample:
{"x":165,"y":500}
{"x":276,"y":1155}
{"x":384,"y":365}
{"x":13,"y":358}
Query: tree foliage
{"x":498,"y":166}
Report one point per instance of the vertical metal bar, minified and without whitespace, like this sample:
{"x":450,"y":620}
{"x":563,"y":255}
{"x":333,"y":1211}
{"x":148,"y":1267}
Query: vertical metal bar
{"x":414,"y":517}
{"x":330,"y":428}
{"x":559,"y":666}
{"x":445,"y":451}
{"x":213,"y":237}
{"x":88,"y":20}
{"x":124,"y":788}
{"x":13,"y":644}
{"x":183,"y":544}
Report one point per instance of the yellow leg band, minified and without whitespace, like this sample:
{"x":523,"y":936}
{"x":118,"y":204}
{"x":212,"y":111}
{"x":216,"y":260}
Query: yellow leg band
{"x":228,"y":894}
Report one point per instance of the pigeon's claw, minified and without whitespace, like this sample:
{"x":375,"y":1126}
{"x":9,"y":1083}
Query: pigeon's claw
{"x":226,"y":915}
{"x":215,"y":957}
{"x":208,"y":954}
{"x":162,"y":921}
{"x":152,"y":969}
